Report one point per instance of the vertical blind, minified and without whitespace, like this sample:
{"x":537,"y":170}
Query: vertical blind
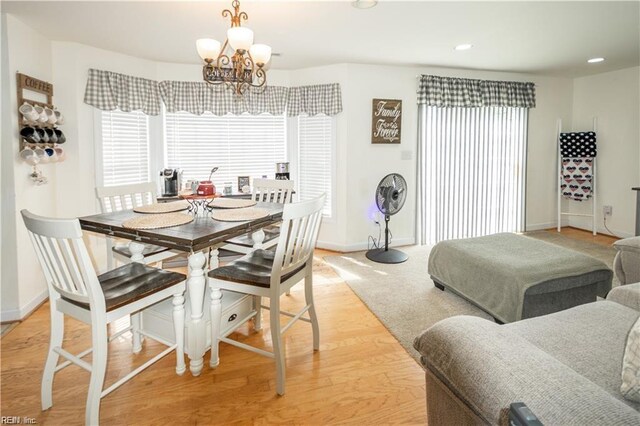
{"x":240,"y":145}
{"x":473,"y":171}
{"x":125,"y":147}
{"x":315,"y":140}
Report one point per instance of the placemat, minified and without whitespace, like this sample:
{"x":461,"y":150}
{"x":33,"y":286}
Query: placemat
{"x":157,"y":221}
{"x":239,"y":215}
{"x":175,"y":206}
{"x":231,"y":203}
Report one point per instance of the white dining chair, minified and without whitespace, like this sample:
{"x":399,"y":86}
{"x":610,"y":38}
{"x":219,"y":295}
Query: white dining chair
{"x":270,"y":191}
{"x":123,"y":197}
{"x":76,"y":290}
{"x":265,"y":273}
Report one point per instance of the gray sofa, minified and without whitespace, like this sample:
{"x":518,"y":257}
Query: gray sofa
{"x":565,"y":366}
{"x":627,"y":261}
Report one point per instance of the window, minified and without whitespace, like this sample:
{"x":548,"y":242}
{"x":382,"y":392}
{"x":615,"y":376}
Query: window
{"x":315,"y":148}
{"x":125,"y":148}
{"x":244,"y":145}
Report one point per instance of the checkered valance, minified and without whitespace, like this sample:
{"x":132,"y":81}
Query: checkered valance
{"x":317,"y":99}
{"x":108,"y":90}
{"x":199,"y":97}
{"x":463,"y":92}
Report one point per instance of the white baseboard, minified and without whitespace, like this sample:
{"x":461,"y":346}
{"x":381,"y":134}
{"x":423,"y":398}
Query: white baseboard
{"x":24,"y":311}
{"x":539,"y":226}
{"x":546,"y":225}
{"x":361,"y":246}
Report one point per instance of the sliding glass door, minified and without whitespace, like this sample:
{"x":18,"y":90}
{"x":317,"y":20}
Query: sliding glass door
{"x":472,"y":170}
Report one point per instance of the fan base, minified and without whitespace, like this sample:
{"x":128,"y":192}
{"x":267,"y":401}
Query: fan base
{"x":386,"y":256}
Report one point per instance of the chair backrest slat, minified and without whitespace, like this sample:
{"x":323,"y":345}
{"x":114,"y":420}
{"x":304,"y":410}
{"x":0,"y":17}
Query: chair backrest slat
{"x":298,"y":236}
{"x":64,"y":258}
{"x":123,"y":197}
{"x":71,"y":264}
{"x":272,"y":190}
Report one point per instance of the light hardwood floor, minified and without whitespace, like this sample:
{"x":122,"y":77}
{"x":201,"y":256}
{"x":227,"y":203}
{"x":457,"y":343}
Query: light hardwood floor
{"x":361,"y":375}
{"x":582,"y":235}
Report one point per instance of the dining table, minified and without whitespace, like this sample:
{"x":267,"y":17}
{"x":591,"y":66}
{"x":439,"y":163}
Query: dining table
{"x":200,"y":239}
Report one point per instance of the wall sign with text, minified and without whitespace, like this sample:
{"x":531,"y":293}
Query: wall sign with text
{"x":386,"y":121}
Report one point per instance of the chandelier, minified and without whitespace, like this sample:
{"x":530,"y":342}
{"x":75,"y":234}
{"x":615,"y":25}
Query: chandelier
{"x":243,"y":66}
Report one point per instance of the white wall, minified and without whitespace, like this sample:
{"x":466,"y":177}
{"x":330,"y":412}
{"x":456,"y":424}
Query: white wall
{"x":361,"y":165}
{"x":614,"y":99}
{"x":23,"y":286}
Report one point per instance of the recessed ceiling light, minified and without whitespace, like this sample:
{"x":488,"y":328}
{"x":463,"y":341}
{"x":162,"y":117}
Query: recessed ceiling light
{"x":364,"y":4}
{"x":595,"y":60}
{"x":465,"y":46}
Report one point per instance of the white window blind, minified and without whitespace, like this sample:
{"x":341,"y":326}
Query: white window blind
{"x":244,"y":145}
{"x":315,"y":146}
{"x":472,"y":171}
{"x":125,"y":148}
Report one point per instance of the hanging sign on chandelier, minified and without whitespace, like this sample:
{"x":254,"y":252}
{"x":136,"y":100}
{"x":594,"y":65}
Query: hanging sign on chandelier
{"x":386,"y":121}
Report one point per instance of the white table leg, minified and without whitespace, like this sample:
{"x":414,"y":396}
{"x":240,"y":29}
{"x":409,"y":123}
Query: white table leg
{"x":178,"y":329}
{"x":216,"y":317}
{"x":196,"y":329}
{"x":136,"y":319}
{"x":214,"y":261}
{"x":258,"y":238}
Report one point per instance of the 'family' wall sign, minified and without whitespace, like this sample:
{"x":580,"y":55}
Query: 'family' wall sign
{"x":386,"y":121}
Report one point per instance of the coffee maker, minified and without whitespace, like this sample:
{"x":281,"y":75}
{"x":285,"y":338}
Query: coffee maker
{"x":282,"y":171}
{"x":170,"y":182}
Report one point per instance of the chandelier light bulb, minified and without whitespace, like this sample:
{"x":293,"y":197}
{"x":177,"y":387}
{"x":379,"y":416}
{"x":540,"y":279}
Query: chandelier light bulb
{"x":208,"y":48}
{"x":240,"y":38}
{"x":260,"y":53}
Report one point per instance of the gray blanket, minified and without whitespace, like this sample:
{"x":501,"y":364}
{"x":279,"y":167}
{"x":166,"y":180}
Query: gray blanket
{"x":497,"y":270}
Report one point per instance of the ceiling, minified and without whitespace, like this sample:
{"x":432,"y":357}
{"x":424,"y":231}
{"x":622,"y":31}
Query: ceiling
{"x":554,"y":38}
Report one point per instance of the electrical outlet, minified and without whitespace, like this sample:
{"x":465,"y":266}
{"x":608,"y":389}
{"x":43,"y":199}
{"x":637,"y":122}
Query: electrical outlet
{"x":607,"y":210}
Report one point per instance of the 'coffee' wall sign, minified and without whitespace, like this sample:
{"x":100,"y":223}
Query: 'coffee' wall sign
{"x":386,"y":121}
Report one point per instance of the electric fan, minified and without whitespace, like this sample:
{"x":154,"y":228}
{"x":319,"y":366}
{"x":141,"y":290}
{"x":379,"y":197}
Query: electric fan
{"x":390,"y":196}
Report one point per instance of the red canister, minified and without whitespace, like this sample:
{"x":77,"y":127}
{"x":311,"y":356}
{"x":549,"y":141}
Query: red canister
{"x":206,"y":187}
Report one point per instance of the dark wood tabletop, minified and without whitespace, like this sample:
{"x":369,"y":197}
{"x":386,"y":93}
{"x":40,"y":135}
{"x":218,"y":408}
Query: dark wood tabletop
{"x":203,"y":232}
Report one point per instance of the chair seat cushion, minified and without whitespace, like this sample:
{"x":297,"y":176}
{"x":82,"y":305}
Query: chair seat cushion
{"x":132,"y":282}
{"x":270,"y":234}
{"x":253,"y":269}
{"x":149,"y":250}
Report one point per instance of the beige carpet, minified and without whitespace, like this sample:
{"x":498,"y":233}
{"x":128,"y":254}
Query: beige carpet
{"x":403,"y":296}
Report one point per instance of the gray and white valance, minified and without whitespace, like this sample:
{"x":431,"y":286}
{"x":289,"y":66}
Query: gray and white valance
{"x":108,"y":91}
{"x":200,"y":97}
{"x":464,"y":92}
{"x":317,"y":99}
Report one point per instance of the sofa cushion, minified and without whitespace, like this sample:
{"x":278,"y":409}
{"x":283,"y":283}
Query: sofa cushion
{"x":590,"y":339}
{"x":631,"y":365}
{"x":488,"y":366}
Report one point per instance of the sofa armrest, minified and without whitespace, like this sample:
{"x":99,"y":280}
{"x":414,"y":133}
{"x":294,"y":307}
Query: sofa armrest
{"x":627,"y":261}
{"x":488,"y":367}
{"x":627,"y":295}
